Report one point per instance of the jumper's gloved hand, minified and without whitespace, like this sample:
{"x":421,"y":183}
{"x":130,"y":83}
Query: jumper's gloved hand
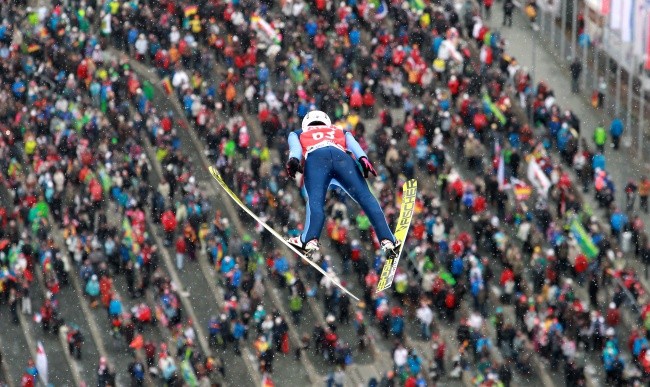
{"x":293,"y":166}
{"x":367,"y":167}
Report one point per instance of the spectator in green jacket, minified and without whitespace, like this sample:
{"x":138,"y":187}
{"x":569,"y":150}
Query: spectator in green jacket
{"x":600,"y":137}
{"x":295,"y":305}
{"x":363,"y":225}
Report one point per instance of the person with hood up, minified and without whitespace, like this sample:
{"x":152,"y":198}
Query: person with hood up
{"x":92,"y":290}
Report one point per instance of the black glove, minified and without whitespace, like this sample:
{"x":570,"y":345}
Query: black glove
{"x":293,"y":166}
{"x":367,"y":167}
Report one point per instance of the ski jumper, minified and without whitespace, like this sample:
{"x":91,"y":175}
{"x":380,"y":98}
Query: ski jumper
{"x":327,"y":162}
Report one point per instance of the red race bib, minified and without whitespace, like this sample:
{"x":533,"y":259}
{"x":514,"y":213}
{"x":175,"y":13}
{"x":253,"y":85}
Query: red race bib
{"x":322,"y":136}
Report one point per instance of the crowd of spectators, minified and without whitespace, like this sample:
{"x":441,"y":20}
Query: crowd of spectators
{"x":300,"y":83}
{"x":72,"y":129}
{"x":73,"y":163}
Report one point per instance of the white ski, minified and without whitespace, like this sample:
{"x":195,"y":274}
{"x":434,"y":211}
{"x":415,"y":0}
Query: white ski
{"x":235,"y":198}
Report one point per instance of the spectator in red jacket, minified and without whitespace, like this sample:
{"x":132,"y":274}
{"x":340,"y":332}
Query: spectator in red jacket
{"x":450,"y":305}
{"x":613,"y":317}
{"x":47,"y":314}
{"x":368,"y":103}
{"x":29,"y":377}
{"x":356,"y":100}
{"x":454,"y":87}
{"x":181,"y":248}
{"x":150,"y":353}
{"x":168,"y":220}
{"x":507,"y":282}
{"x":581,"y":265}
{"x":480,"y":204}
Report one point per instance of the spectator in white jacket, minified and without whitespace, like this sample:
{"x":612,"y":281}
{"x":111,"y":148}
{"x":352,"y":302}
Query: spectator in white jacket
{"x":174,"y":35}
{"x":180,"y":80}
{"x":438,"y":231}
{"x":400,"y":356}
{"x":167,"y":366}
{"x":141,"y":47}
{"x":425,"y":316}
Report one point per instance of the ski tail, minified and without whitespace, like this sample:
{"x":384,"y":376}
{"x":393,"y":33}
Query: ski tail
{"x":409,"y":192}
{"x":236,"y":199}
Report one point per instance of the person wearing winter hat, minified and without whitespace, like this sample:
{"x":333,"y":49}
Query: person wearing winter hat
{"x":92,"y":290}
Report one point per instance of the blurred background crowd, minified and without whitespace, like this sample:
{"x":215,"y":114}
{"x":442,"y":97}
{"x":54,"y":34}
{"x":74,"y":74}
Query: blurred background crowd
{"x":517,"y":262}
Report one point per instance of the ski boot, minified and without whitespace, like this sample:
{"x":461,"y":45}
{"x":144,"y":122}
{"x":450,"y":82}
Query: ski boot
{"x":391,"y":248}
{"x":306,"y":248}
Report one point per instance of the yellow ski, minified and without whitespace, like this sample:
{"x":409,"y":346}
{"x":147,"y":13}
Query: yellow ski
{"x":409,"y":191}
{"x":236,"y":199}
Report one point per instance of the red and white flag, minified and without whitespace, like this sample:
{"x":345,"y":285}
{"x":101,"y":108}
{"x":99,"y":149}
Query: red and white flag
{"x":605,"y":7}
{"x":501,"y":171}
{"x":627,"y":20}
{"x":538,"y":178}
{"x":41,"y":362}
{"x":616,"y":15}
{"x":647,"y":56}
{"x":267,"y":381}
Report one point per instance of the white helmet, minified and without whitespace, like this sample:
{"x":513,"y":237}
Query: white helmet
{"x":315,"y":116}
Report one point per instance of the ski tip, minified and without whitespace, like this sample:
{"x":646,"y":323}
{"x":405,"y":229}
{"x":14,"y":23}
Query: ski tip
{"x":352,"y":296}
{"x":379,"y":290}
{"x":215,"y":174}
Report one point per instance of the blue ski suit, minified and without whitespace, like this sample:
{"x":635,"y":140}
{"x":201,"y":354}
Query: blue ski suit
{"x":328,"y":163}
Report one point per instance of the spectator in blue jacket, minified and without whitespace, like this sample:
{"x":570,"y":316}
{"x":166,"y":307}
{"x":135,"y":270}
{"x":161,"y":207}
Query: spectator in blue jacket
{"x":115,"y":307}
{"x":616,"y":131}
{"x":311,"y":28}
{"x":92,"y":289}
{"x":598,"y":162}
{"x":227,"y":264}
{"x":618,"y":222}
